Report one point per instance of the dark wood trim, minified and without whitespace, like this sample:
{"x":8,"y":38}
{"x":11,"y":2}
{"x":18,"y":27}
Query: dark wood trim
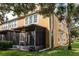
{"x":35,"y":37}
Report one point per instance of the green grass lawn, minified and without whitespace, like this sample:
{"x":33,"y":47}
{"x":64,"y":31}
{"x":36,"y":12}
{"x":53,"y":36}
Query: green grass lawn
{"x":54,"y":52}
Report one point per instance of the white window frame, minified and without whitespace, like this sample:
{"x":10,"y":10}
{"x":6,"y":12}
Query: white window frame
{"x":32,"y":20}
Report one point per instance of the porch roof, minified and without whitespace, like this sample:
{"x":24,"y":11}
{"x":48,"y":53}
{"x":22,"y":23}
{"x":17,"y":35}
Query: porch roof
{"x":4,"y":31}
{"x":26,"y":28}
{"x":29,"y":28}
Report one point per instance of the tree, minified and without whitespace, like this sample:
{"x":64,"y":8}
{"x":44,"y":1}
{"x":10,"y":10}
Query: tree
{"x":17,"y":8}
{"x":69,"y":13}
{"x":71,"y":10}
{"x":74,"y":32}
{"x":72,"y":14}
{"x":46,"y":9}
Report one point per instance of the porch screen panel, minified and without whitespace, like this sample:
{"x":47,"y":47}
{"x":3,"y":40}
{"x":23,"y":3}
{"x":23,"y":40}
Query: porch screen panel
{"x":16,"y":39}
{"x":31,"y":36}
{"x":40,"y":38}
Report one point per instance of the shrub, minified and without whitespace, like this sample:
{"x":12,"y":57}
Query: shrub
{"x":5,"y":44}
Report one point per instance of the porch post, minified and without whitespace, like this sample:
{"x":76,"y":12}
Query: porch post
{"x":35,"y":37}
{"x":24,"y":37}
{"x":19,"y":39}
{"x":14,"y":36}
{"x":8,"y":33}
{"x":2,"y":37}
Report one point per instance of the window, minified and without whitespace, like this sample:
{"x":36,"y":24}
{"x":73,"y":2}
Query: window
{"x":4,"y":26}
{"x":9,"y":25}
{"x":14,"y":24}
{"x":26,"y":20}
{"x":30,"y":19}
{"x":35,"y":18}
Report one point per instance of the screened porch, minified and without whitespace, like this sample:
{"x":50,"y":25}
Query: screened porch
{"x":32,"y":37}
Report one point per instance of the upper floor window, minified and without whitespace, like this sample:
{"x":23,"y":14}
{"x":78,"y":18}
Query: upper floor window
{"x":26,"y":20}
{"x":14,"y":24}
{"x":9,"y":25}
{"x":5,"y":27}
{"x":35,"y":17}
{"x":31,"y":19}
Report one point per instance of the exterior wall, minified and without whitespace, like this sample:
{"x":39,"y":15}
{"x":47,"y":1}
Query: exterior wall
{"x":0,"y":27}
{"x":20,"y":22}
{"x":55,"y":31}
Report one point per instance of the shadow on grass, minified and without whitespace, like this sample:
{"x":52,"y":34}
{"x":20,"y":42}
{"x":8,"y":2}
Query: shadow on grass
{"x":45,"y":53}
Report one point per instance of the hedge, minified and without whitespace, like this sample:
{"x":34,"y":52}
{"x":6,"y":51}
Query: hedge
{"x":5,"y":44}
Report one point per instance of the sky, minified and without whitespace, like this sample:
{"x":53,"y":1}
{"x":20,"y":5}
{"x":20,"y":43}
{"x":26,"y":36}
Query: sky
{"x":10,"y":16}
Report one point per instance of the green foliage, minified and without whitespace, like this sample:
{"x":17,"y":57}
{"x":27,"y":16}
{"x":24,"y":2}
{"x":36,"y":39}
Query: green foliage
{"x":5,"y":44}
{"x":74,"y":32}
{"x":46,"y":9}
{"x":61,"y":9}
{"x":17,"y":8}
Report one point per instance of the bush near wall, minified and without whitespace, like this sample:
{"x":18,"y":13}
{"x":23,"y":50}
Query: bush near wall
{"x":5,"y":44}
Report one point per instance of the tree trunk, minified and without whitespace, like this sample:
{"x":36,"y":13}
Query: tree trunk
{"x":69,"y":45}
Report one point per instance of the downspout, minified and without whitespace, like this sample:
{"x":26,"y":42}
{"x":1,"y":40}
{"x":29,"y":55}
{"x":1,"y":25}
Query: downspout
{"x":51,"y":36}
{"x":52,"y":30}
{"x":50,"y":33}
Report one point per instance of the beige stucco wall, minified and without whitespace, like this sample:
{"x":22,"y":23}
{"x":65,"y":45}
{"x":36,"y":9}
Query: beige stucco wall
{"x":1,"y":28}
{"x":20,"y":22}
{"x":55,"y":31}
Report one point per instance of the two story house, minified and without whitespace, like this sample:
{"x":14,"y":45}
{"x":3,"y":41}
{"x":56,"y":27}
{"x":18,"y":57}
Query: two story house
{"x":33,"y":31}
